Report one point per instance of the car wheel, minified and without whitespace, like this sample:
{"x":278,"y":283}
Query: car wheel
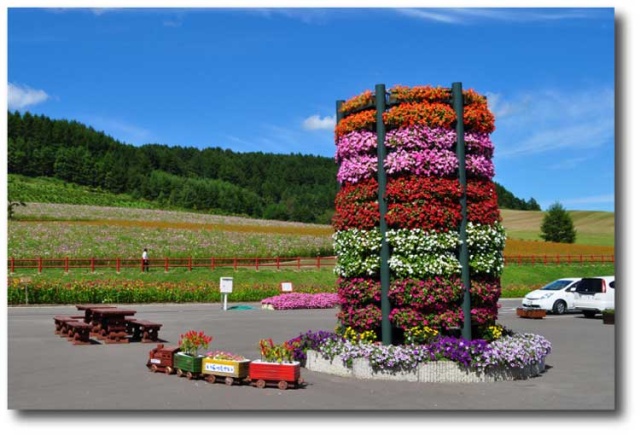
{"x":560,"y":307}
{"x":589,"y":314}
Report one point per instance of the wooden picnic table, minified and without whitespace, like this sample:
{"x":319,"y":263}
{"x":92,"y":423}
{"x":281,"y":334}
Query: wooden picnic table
{"x":88,"y":310}
{"x":112,"y":323}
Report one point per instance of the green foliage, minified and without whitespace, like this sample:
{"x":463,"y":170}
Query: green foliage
{"x":291,"y":187}
{"x":509,"y":201}
{"x":557,"y":225}
{"x":54,"y":191}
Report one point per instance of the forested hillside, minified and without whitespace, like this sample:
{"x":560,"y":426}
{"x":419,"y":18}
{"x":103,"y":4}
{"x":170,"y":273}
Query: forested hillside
{"x":293,"y":187}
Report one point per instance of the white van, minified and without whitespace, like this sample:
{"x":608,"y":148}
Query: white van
{"x":594,"y":295}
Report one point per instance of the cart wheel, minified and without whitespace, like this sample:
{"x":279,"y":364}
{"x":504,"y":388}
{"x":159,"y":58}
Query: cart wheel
{"x":153,"y":368}
{"x":168,"y":370}
{"x":179,"y":372}
{"x":260,"y":383}
{"x":283,"y":385}
{"x":211,"y":379}
{"x":189,"y":375}
{"x":228,"y":380}
{"x":300,"y":381}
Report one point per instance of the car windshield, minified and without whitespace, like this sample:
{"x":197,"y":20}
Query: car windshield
{"x":557,"y":285}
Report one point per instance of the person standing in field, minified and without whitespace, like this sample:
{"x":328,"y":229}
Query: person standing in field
{"x":145,"y":260}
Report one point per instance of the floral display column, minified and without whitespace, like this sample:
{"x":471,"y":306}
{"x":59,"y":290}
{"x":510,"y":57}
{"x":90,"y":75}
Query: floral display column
{"x":424,"y":212}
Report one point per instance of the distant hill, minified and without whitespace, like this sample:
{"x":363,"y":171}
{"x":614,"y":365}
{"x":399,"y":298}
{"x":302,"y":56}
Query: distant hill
{"x":293,"y":187}
{"x":593,"y":227}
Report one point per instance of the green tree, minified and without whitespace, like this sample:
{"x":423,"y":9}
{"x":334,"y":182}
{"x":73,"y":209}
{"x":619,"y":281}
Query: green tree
{"x":557,"y":225}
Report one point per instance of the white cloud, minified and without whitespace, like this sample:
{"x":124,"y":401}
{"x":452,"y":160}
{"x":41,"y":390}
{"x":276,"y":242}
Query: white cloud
{"x":472,"y":15}
{"x":315,"y":122}
{"x":543,"y":121}
{"x":20,"y":97}
{"x":444,"y":16}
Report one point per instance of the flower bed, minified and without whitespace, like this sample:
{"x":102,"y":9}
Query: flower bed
{"x":443,"y":359}
{"x":295,"y":301}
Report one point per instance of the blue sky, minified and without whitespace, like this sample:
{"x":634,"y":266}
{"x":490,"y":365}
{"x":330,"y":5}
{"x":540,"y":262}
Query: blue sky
{"x":267,"y":79}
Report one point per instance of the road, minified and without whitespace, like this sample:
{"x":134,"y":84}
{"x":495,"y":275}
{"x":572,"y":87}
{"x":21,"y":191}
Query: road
{"x":46,"y":373}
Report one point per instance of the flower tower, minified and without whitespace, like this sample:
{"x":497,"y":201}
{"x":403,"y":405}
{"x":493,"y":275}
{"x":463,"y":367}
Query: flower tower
{"x":423,"y":202}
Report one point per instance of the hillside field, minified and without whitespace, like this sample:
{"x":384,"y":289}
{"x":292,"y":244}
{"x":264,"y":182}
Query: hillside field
{"x":84,"y":231}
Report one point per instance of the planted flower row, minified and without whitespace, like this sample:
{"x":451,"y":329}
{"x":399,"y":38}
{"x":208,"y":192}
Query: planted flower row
{"x":433,"y":114}
{"x":124,"y":291}
{"x":412,"y":138}
{"x":433,"y":302}
{"x":426,"y":203}
{"x":294,"y":301}
{"x":419,"y":253}
{"x":427,"y":162}
{"x":502,"y":349}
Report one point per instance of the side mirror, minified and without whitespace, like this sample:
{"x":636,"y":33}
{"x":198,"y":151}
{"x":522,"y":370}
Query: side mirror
{"x":571,"y":289}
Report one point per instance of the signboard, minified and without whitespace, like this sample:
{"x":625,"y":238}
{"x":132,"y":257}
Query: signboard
{"x":217,"y":367}
{"x":226,"y":284}
{"x":286,"y":287}
{"x":25,"y":280}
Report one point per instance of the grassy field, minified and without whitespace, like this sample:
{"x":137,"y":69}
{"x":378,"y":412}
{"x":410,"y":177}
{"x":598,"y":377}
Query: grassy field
{"x":594,"y":228}
{"x":92,"y":228}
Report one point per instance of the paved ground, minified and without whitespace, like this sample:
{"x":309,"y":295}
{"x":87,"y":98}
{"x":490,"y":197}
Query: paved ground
{"x":45,"y":372}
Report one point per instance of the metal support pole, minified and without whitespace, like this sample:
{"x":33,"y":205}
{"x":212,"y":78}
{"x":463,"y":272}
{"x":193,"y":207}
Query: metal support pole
{"x":339,"y":114}
{"x":385,"y":280}
{"x":458,"y":106}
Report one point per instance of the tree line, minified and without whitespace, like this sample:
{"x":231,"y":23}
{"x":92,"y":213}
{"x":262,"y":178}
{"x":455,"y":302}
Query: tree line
{"x":293,"y":187}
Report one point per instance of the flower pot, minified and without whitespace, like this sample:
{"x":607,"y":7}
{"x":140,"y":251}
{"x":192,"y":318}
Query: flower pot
{"x":229,"y":370}
{"x":531,"y":313}
{"x":609,"y":318}
{"x":284,"y":374}
{"x":188,"y":365}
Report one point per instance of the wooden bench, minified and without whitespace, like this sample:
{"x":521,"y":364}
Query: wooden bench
{"x":78,"y":332}
{"x":61,"y":323}
{"x":143,"y":330}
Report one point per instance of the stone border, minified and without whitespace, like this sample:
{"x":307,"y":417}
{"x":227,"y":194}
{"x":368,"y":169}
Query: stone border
{"x":437,"y":371}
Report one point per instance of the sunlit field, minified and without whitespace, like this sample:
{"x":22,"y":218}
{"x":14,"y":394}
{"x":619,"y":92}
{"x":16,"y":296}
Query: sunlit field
{"x":81,"y":232}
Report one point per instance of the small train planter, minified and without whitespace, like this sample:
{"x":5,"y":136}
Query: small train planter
{"x":188,"y":365}
{"x":258,"y":373}
{"x":283,"y":375}
{"x":161,"y":359}
{"x":230,"y":371}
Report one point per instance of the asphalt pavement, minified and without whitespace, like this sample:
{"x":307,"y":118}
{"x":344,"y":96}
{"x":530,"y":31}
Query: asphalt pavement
{"x":46,"y":373}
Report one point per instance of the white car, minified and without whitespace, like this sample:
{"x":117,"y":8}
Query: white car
{"x":596,"y":294}
{"x":557,"y":297}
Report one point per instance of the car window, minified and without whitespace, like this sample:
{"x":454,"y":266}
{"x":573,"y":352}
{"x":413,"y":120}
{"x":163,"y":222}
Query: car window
{"x":590,"y":285}
{"x":557,"y":285}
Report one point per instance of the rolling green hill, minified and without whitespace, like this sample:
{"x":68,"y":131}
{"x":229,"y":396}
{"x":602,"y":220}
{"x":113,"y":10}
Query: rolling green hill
{"x":594,"y":227}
